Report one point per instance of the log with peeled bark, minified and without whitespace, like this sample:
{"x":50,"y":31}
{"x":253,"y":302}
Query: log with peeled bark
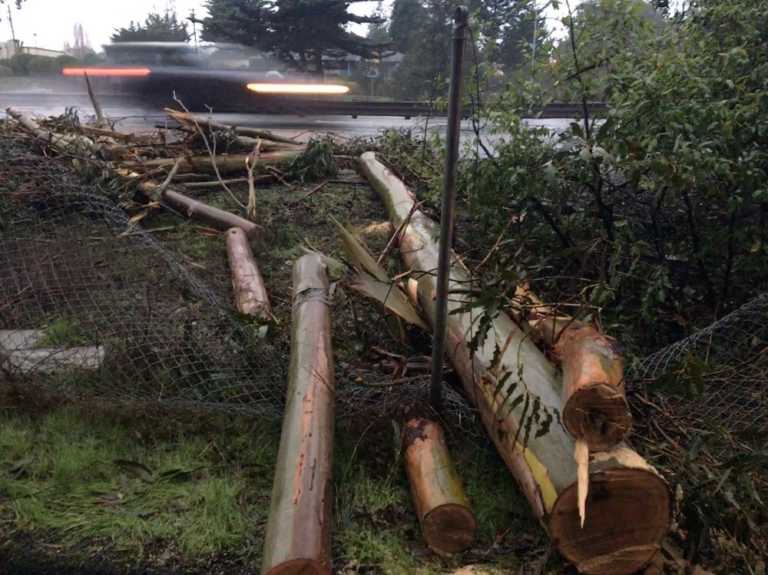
{"x":71,"y":143}
{"x":628,"y":510}
{"x":196,"y":210}
{"x":226,"y":164}
{"x":250,"y":293}
{"x":446,"y":519}
{"x":298,"y":537}
{"x":595,"y":406}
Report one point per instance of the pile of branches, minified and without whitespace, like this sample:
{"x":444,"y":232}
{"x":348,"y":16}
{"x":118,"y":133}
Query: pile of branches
{"x":167,"y":167}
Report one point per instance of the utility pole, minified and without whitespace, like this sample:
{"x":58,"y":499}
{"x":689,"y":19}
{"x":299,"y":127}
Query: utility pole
{"x":13,"y":32}
{"x":194,"y":27}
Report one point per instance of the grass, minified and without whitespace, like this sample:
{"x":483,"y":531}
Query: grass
{"x":376,"y":524}
{"x":88,"y":481}
{"x":146,"y":492}
{"x":63,"y":332}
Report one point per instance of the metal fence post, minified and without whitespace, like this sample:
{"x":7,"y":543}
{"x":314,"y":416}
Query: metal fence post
{"x":460,"y":28}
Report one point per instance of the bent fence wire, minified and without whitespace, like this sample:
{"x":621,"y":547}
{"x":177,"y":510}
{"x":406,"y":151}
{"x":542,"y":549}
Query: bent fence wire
{"x":88,"y":308}
{"x":93,"y":307}
{"x":719,"y":374}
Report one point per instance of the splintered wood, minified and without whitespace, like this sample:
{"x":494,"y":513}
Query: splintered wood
{"x":595,"y":407}
{"x":628,"y":503}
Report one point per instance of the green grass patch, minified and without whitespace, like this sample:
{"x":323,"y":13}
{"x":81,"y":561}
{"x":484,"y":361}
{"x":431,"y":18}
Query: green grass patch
{"x":91,"y":482}
{"x":63,"y":332}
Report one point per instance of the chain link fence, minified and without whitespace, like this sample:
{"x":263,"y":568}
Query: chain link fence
{"x":92,"y":306}
{"x":719,"y":374}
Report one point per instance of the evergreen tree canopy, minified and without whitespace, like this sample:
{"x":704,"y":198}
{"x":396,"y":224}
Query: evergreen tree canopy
{"x":157,"y":27}
{"x":299,"y":32}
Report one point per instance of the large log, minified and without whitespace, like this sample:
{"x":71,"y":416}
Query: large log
{"x":446,"y":519}
{"x":226,"y":164}
{"x":250,"y":293}
{"x":298,"y":538}
{"x":628,"y":510}
{"x":595,"y":406}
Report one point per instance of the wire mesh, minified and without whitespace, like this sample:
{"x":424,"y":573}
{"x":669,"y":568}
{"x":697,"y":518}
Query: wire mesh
{"x":93,"y":307}
{"x":720,"y":373}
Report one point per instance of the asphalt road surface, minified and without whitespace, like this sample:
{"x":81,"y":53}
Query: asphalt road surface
{"x":133,"y":117}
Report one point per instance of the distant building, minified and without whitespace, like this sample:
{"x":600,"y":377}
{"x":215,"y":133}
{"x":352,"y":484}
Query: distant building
{"x":8,"y":49}
{"x":43,"y":52}
{"x":11,"y":48}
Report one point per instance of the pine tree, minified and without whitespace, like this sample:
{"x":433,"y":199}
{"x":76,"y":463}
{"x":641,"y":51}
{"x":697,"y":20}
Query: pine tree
{"x":299,"y":32}
{"x":157,"y":27}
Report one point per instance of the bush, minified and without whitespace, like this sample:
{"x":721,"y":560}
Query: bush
{"x":657,"y":216}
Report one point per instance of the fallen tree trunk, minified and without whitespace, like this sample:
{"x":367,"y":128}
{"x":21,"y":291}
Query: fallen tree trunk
{"x":227,"y":164}
{"x":446,"y":519}
{"x":595,"y":406}
{"x":508,"y":378}
{"x":250,"y":293}
{"x":72,"y":143}
{"x":196,"y":210}
{"x":298,"y":537}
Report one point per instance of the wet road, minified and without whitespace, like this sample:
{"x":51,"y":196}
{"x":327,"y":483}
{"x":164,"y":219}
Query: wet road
{"x":132,"y":116}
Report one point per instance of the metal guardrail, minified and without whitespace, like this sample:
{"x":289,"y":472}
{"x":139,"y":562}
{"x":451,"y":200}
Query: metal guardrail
{"x":301,"y":106}
{"x":340,"y":107}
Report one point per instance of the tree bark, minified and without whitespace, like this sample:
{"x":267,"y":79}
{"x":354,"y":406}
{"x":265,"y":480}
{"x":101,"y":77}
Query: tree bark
{"x":595,"y":406}
{"x":250,"y":293}
{"x":227,"y":164}
{"x":628,"y":510}
{"x":446,"y":519}
{"x":298,"y":538}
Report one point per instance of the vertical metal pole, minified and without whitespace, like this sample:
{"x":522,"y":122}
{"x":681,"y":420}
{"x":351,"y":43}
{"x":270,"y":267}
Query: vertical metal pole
{"x":460,"y":28}
{"x":13,"y":32}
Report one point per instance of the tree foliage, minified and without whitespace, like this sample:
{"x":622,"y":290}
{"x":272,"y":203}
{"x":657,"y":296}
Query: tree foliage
{"x":299,"y":32}
{"x":502,"y":35}
{"x":157,"y":27}
{"x":663,"y":203}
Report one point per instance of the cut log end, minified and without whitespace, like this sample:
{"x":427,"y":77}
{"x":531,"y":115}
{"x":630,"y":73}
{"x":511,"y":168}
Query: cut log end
{"x":628,"y":514}
{"x":449,"y":528}
{"x":300,"y":567}
{"x":599,"y":414}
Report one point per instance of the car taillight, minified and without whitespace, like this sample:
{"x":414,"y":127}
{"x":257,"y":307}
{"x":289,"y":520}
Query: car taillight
{"x":108,"y":72}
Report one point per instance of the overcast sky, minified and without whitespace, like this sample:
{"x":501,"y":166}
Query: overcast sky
{"x":52,"y":21}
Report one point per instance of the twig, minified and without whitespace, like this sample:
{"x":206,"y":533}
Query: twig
{"x":497,"y":243}
{"x":12,"y":300}
{"x":211,"y":153}
{"x":100,"y":120}
{"x":157,"y":194}
{"x":250,"y":163}
{"x":313,"y":191}
{"x":217,"y":183}
{"x":278,"y":175}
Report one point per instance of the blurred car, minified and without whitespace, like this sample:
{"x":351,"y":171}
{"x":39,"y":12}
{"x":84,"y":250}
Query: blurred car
{"x":221,"y":77}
